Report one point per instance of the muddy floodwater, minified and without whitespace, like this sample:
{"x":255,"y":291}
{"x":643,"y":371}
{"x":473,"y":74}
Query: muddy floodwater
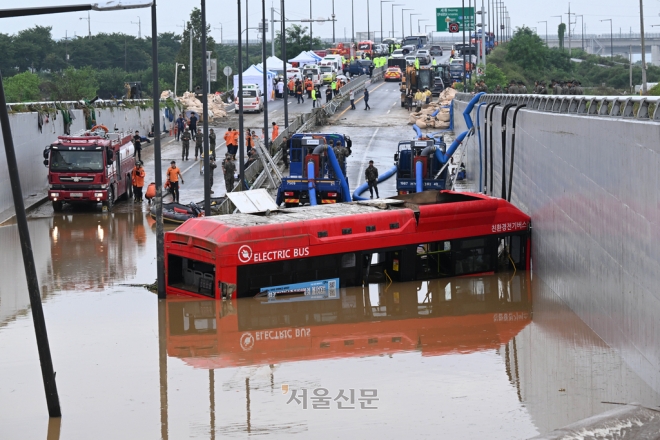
{"x":493,"y":357}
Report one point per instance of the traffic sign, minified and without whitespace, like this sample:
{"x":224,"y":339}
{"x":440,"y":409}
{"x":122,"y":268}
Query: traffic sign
{"x":213,"y":70}
{"x":454,"y":28}
{"x":227,"y":70}
{"x":445,"y":17}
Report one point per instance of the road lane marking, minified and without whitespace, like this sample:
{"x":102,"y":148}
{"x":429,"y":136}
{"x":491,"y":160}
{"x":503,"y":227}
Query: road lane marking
{"x":359,"y":99}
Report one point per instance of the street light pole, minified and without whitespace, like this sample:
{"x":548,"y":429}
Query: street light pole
{"x":419,"y":29}
{"x":393,"y":5}
{"x":284,"y":57}
{"x":381,"y":17}
{"x":403,"y":34}
{"x":641,"y":29}
{"x":611,"y":38}
{"x":581,"y":30}
{"x":176,"y":75}
{"x":264,"y":69}
{"x":368,"y":23}
{"x":546,"y":31}
{"x":239,"y":91}
{"x":410,"y":19}
{"x":205,"y":116}
{"x":352,"y":25}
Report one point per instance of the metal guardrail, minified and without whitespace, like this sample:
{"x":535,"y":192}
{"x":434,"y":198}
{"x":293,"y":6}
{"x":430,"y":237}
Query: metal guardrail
{"x":96,"y":104}
{"x":630,"y":107}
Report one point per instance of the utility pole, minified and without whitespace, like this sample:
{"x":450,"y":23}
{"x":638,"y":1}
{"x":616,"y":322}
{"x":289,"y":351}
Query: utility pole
{"x":483,"y":35}
{"x":368,"y":23}
{"x":641,"y":29}
{"x":630,"y":61}
{"x":139,"y":23}
{"x":311,"y":23}
{"x":264,"y":69}
{"x":191,"y":58}
{"x":89,"y":25}
{"x":570,"y":25}
{"x":286,"y":89}
{"x":272,"y":31}
{"x":333,"y":21}
{"x":581,"y":30}
{"x":462,"y":62}
{"x":205,"y":114}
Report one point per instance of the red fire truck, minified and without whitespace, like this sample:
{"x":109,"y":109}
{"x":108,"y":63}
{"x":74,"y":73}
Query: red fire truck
{"x":312,"y":252}
{"x":90,"y":167}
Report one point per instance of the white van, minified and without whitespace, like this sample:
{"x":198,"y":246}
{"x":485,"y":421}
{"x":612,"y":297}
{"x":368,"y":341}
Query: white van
{"x":253,"y":99}
{"x":335,"y":62}
{"x":294,"y":73}
{"x":313,"y":72}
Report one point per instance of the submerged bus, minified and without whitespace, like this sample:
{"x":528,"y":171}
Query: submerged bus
{"x":313,"y":252}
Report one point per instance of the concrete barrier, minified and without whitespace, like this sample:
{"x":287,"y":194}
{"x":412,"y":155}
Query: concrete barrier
{"x":591,"y":185}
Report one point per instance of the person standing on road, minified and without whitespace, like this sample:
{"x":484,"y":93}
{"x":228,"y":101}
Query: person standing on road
{"x":137,"y":180}
{"x":371,"y":176}
{"x":193,"y":124}
{"x":185,"y":144}
{"x":212,"y":142}
{"x":227,"y":137}
{"x":309,"y":86}
{"x":333,"y":86}
{"x":328,"y":94}
{"x":314,"y":98}
{"x":366,"y":99}
{"x":213,"y":166}
{"x":137,"y":143}
{"x":228,"y":169}
{"x":199,"y":143}
{"x":180,"y":125}
{"x":299,"y":93}
{"x":173,"y":176}
{"x":291,"y":87}
{"x":280,"y":89}
{"x":351,"y":96}
{"x":249,"y":140}
{"x":234,"y":141}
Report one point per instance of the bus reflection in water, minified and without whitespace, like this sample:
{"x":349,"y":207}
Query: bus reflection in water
{"x":435,"y":317}
{"x":310,"y":252}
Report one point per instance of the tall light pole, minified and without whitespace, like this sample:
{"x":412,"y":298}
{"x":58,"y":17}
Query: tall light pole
{"x":368,"y":23}
{"x":419,"y":29}
{"x":546,"y":30}
{"x":139,"y":23}
{"x":205,"y":114}
{"x":402,"y":31}
{"x":221,"y":40}
{"x":333,"y":22}
{"x":43,"y":346}
{"x":641,"y":29}
{"x":381,"y":17}
{"x":611,"y":38}
{"x":176,"y":74}
{"x":395,"y":4}
{"x":581,"y":30}
{"x":570,"y":23}
{"x":410,"y":19}
{"x":352,"y":25}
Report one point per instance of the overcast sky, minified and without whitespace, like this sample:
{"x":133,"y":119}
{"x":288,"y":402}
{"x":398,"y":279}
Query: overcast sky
{"x":172,"y":13}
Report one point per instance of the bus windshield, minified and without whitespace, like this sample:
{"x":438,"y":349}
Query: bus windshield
{"x":65,"y":161}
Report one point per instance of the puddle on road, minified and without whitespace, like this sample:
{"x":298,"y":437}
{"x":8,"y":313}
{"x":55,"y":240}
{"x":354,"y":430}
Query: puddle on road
{"x":464,"y":356}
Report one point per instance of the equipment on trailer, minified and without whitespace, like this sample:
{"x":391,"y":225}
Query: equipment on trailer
{"x":316,"y":175}
{"x":418,"y":168}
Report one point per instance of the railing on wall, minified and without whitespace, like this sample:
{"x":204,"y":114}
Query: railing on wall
{"x":632,"y":107}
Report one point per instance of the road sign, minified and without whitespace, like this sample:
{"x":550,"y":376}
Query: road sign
{"x":213,"y":70}
{"x":461,"y":16}
{"x":227,"y":70}
{"x":454,"y":28}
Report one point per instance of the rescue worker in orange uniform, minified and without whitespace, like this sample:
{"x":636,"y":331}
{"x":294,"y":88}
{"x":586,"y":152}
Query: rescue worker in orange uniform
{"x":308,"y":86}
{"x":276,"y":131}
{"x":234,"y":141}
{"x":173,"y":175}
{"x":291,"y":87}
{"x":137,"y":180}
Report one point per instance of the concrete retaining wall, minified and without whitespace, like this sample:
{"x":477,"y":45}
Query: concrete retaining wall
{"x":592,"y":188}
{"x":29,"y":143}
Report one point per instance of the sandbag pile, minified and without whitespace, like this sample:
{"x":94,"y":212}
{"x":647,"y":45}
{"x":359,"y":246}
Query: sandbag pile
{"x":216,"y":106}
{"x":423,"y":118}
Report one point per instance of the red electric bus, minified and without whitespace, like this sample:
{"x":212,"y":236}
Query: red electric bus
{"x":312,"y":252}
{"x":435,"y":317}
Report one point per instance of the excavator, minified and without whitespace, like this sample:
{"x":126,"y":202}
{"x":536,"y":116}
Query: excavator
{"x":413,"y":79}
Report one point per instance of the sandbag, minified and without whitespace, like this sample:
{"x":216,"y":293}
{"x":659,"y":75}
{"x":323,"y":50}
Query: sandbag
{"x":443,"y":116}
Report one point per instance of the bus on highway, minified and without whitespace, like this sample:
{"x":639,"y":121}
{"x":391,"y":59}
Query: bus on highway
{"x":312,"y":252}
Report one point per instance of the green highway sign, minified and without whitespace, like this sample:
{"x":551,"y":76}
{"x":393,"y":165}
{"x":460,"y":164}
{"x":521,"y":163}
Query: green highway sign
{"x":462,"y":16}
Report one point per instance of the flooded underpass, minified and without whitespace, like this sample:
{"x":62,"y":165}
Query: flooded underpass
{"x":495,"y":356}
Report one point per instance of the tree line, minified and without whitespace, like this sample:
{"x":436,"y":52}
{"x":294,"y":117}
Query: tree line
{"x":36,"y":67}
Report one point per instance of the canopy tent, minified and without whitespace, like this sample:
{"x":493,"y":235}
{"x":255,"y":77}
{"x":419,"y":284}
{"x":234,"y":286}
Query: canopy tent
{"x":274,"y":64}
{"x":254,"y":75}
{"x":305,"y":58}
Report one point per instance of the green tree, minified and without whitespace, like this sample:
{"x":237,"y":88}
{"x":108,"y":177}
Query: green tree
{"x":7,"y":60}
{"x":22,"y":87}
{"x":31,"y":48}
{"x":527,"y":49}
{"x":494,"y":76}
{"x":195,"y":23}
{"x":561,"y":31}
{"x":297,"y":40}
{"x":74,"y":84}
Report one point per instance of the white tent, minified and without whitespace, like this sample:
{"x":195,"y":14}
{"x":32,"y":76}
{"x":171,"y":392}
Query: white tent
{"x":274,"y":64}
{"x":254,"y":75}
{"x":318,"y":58}
{"x":305,"y":58}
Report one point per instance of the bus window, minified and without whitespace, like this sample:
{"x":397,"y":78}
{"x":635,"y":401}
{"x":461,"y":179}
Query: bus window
{"x":191,"y":275}
{"x":433,"y":260}
{"x":473,"y":255}
{"x":511,"y":252}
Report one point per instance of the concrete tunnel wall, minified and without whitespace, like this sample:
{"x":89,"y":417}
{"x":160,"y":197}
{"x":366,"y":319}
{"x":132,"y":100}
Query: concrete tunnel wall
{"x":29,"y":144}
{"x":592,"y":189}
